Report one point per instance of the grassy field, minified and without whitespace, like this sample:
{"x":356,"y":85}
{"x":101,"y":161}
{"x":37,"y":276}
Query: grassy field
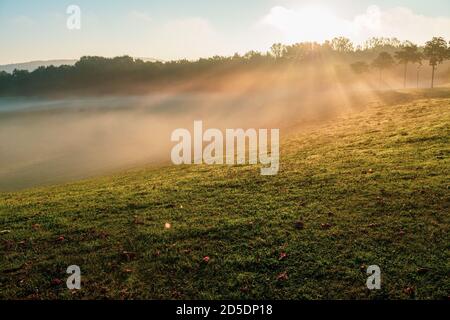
{"x":371,"y":188}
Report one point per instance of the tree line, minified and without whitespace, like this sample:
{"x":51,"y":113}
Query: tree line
{"x":111,"y":74}
{"x":436,"y":51}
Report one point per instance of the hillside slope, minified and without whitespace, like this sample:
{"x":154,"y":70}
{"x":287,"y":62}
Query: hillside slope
{"x":369,"y":189}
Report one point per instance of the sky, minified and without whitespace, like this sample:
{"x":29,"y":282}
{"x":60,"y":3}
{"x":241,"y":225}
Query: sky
{"x":177,"y":29}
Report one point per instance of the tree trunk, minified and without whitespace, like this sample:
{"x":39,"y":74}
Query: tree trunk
{"x":432,"y":77}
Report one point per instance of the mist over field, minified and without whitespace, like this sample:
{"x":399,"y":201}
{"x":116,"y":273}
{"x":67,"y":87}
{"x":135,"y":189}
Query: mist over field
{"x":48,"y":140}
{"x":56,"y":141}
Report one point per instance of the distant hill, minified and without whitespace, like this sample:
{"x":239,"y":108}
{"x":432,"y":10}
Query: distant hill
{"x":33,"y":65}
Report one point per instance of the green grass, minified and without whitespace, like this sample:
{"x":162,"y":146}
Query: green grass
{"x":372,"y":188}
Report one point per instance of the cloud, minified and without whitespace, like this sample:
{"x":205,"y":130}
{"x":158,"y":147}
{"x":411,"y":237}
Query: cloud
{"x":319,"y":24}
{"x":400,"y":22}
{"x":306,"y":24}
